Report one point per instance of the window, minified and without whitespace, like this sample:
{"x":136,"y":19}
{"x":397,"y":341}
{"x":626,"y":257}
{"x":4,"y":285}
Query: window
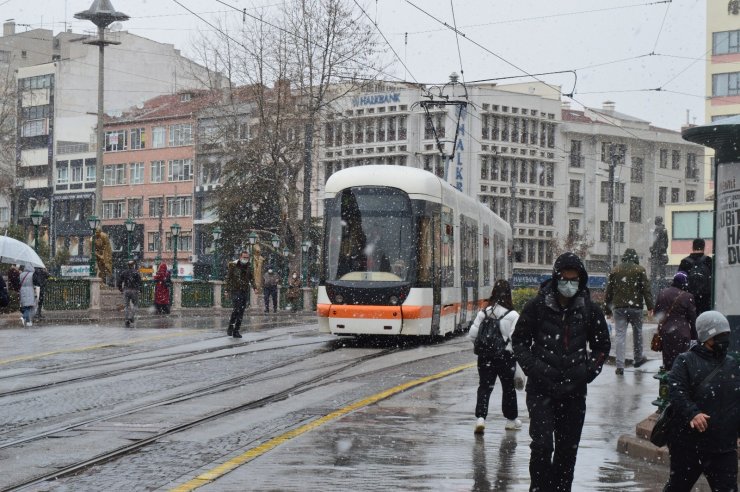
{"x":180,"y":170}
{"x":675,"y":159}
{"x":62,"y":172}
{"x":153,"y":241}
{"x":611,"y":151}
{"x":179,"y":206}
{"x":157,"y":172}
{"x":576,"y":158}
{"x":76,"y":170}
{"x":180,"y":135}
{"x":690,"y":225}
{"x":675,"y":195}
{"x":692,"y":171}
{"x":113,"y":209}
{"x":136,"y":173}
{"x":724,"y":43}
{"x":574,"y":194}
{"x":618,"y":192}
{"x":138,"y":139}
{"x":114,"y":174}
{"x":38,"y":82}
{"x":135,"y":207}
{"x":184,"y":241}
{"x":726,"y":84}
{"x":663,"y":158}
{"x":33,"y":128}
{"x":662,"y":196}
{"x":116,"y":141}
{"x":158,"y":137}
{"x":4,"y":214}
{"x":635,"y":209}
{"x":638,"y":167}
{"x":90,"y":170}
{"x":156,"y":207}
{"x":574,"y":226}
{"x":690,"y":196}
{"x":619,"y":232}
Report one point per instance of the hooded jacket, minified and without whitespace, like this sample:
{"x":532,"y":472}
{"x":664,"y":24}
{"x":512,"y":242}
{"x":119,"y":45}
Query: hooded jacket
{"x":162,"y":285}
{"x":628,"y":285}
{"x":552,"y":342}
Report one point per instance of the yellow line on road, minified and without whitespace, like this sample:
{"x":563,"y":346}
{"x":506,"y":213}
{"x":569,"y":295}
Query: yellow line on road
{"x":263,"y":448}
{"x":93,"y":347}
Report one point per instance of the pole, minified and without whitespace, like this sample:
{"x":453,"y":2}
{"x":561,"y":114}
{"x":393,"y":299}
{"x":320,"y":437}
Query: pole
{"x":512,"y":216}
{"x":158,"y":258}
{"x":128,"y":244}
{"x":307,"y":170}
{"x":92,"y":254}
{"x":101,"y":134}
{"x":36,"y":238}
{"x":215,"y":274}
{"x":174,"y":261}
{"x":610,"y":205}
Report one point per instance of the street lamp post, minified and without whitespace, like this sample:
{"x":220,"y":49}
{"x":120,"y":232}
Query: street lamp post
{"x":216,"y":265}
{"x":275,"y":245}
{"x":175,"y":230}
{"x":286,"y":254}
{"x":102,"y":14}
{"x":36,"y":217}
{"x":93,"y":222}
{"x":252,"y":238}
{"x":130,"y":226}
{"x":305,"y":247}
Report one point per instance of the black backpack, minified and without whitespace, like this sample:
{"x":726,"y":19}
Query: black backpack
{"x":490,"y":342}
{"x":698,"y":275}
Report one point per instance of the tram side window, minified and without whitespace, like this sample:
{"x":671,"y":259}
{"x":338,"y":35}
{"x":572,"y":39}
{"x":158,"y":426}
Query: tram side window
{"x":486,"y":255}
{"x":468,"y":251}
{"x":448,"y":249}
{"x":425,"y":265}
{"x":499,"y":256}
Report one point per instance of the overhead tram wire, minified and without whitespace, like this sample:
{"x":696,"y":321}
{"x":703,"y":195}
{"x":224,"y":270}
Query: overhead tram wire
{"x":660,"y":31}
{"x":457,"y":40}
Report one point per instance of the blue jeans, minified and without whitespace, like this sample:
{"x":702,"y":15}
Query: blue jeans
{"x":622,"y":317}
{"x":27,"y":311}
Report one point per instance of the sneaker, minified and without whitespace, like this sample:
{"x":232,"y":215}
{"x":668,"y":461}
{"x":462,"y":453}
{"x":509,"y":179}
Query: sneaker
{"x":23,"y":321}
{"x":640,"y":362}
{"x":480,"y":425}
{"x":514,"y":424}
{"x":619,"y":371}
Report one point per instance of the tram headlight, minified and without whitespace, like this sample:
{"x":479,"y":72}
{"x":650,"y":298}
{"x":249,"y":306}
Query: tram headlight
{"x":393,"y":300}
{"x":339,"y":299}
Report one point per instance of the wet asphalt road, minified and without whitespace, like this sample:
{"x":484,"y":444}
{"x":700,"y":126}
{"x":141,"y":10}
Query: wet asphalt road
{"x":418,"y":439}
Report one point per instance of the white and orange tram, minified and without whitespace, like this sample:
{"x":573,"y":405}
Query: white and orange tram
{"x":405,"y":253}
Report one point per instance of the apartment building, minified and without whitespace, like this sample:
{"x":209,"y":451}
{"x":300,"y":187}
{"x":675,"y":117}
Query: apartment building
{"x":148,"y":177}
{"x":654,"y":169}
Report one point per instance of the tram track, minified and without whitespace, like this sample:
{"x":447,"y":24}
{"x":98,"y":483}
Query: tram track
{"x":230,"y":384}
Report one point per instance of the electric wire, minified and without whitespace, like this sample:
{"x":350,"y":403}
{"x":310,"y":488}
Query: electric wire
{"x":457,"y":40}
{"x":667,"y":7}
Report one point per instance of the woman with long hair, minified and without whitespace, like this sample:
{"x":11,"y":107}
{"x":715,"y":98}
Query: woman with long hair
{"x":497,"y":365}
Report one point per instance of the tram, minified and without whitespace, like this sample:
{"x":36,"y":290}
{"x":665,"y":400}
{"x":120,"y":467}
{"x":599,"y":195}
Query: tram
{"x":405,"y":254}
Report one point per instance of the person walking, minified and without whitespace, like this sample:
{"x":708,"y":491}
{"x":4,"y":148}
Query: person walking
{"x":27,"y":295}
{"x":676,"y":315}
{"x":239,"y":278}
{"x":130,"y":284}
{"x":626,"y":288}
{"x":40,"y":278}
{"x":698,"y":267}
{"x":270,"y":281}
{"x":704,"y":391}
{"x":294,"y":291}
{"x":162,"y":284}
{"x":497,"y":362}
{"x":561,"y":342}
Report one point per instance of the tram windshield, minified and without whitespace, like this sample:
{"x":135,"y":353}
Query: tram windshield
{"x":369,"y":235}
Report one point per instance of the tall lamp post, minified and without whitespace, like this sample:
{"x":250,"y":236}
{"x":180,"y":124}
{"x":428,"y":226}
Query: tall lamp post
{"x":252,"y":238}
{"x":216,"y":264}
{"x":286,"y":254}
{"x":102,"y":14}
{"x":175,"y":230}
{"x":305,"y":246}
{"x":130,"y":226}
{"x":36,"y":218}
{"x":93,"y":222}
{"x":275,"y":245}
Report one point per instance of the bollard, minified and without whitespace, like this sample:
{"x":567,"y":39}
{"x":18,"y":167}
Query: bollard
{"x":662,"y":401}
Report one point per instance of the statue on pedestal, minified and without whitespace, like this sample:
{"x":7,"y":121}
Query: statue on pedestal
{"x":103,"y":254}
{"x":658,"y":257}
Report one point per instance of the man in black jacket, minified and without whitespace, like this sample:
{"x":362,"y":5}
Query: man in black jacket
{"x":699,"y":268}
{"x":550,"y":342}
{"x":704,"y":389}
{"x":130,"y":283}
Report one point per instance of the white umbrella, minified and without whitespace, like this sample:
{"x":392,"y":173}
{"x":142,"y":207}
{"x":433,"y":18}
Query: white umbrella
{"x":14,"y":251}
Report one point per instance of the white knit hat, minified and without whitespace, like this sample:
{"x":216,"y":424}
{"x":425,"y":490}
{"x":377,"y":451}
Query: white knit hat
{"x":710,"y":324}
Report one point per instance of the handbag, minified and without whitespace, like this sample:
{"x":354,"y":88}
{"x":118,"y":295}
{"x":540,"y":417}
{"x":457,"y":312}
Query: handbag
{"x":656,"y":344}
{"x":664,"y":425}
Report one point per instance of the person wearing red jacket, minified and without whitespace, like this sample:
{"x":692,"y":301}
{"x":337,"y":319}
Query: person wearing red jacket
{"x":162,"y":285}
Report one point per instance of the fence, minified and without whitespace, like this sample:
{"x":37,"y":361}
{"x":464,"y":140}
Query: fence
{"x":66,"y":295}
{"x":197,"y":294}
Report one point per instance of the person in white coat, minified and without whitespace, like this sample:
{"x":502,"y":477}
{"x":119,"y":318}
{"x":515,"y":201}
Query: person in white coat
{"x":503,"y":366}
{"x":27,"y":295}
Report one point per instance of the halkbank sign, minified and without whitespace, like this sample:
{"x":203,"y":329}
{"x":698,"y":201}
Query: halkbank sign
{"x":372,"y":99}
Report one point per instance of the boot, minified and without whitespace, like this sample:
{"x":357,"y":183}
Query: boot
{"x":237,"y":334}
{"x":230,"y":331}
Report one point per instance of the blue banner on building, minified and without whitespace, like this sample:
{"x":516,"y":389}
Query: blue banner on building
{"x":534,"y":280}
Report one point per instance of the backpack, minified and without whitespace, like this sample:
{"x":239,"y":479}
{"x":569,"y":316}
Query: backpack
{"x":490,"y":342}
{"x":698,"y":275}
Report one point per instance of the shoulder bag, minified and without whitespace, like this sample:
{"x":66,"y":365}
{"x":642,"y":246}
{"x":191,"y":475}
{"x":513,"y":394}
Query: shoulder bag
{"x":664,"y":425}
{"x":656,"y":344}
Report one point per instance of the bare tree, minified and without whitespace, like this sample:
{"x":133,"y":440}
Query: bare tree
{"x":580,"y":244}
{"x":8,"y":104}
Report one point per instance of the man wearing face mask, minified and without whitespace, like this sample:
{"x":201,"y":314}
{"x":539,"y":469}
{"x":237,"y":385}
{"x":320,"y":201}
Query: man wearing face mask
{"x":561,"y":342}
{"x":704,"y":390}
{"x":238,"y":280}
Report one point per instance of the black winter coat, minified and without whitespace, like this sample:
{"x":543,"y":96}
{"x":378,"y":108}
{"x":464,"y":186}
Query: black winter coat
{"x":550,"y":342}
{"x":719,"y":398}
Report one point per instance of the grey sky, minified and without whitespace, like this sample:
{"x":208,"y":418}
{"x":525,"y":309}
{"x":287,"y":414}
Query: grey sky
{"x":534,"y":35}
